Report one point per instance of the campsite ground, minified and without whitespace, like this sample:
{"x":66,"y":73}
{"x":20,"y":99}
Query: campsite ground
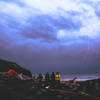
{"x":13,"y":89}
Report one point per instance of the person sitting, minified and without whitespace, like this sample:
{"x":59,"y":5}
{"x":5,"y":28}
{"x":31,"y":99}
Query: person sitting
{"x":40,"y":77}
{"x":74,"y":81}
{"x":57,"y":78}
{"x":47,"y":78}
{"x":52,"y":79}
{"x":33,"y":78}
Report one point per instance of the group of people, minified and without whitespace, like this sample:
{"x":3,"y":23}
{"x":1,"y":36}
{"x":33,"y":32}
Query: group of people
{"x":50,"y":79}
{"x":53,"y":77}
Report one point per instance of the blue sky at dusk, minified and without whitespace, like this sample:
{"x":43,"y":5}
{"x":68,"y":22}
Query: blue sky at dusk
{"x":51,"y":35}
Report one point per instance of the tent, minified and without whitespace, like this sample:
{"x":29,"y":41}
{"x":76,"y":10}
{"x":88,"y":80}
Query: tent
{"x":12,"y":72}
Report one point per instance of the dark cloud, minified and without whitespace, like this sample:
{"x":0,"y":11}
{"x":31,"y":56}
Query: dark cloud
{"x":46,"y":27}
{"x":64,"y":59}
{"x":41,"y":27}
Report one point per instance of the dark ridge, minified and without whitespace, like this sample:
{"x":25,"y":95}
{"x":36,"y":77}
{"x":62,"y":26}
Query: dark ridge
{"x":6,"y":65}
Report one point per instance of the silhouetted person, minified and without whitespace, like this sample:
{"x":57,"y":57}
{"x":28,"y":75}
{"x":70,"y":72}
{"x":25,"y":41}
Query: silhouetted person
{"x":57,"y":79}
{"x":47,"y":78}
{"x":33,"y":77}
{"x":52,"y":77}
{"x":74,"y":81}
{"x":40,"y":77}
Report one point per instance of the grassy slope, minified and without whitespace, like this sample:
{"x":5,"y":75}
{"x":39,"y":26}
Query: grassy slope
{"x":6,"y":65}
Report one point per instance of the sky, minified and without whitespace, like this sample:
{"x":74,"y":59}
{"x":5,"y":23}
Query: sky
{"x":51,"y":35}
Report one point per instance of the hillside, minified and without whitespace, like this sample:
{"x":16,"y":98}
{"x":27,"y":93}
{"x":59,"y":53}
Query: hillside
{"x":6,"y":65}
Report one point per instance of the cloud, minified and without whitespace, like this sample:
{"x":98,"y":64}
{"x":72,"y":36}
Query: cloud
{"x":95,"y":0}
{"x":47,"y":19}
{"x":48,"y":7}
{"x":59,"y":34}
